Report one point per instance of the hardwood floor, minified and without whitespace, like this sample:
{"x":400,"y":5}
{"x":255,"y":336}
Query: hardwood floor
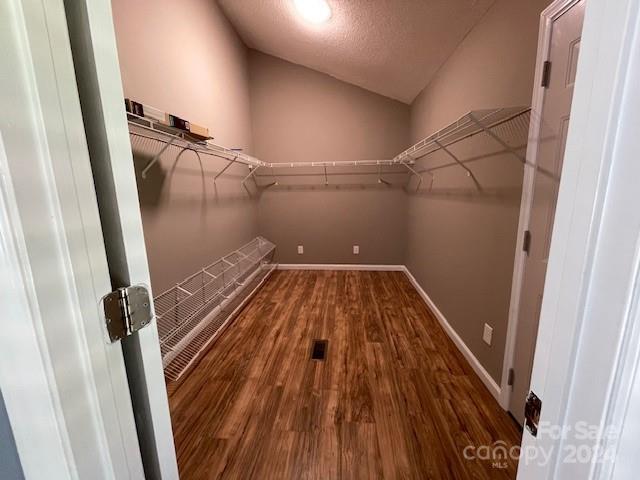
{"x":393,"y":399}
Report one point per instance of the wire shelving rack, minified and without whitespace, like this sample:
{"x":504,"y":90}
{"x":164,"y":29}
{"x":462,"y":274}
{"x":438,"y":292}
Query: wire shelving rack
{"x":468,"y":125}
{"x":194,"y":312}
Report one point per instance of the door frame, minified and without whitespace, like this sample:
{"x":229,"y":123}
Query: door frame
{"x":547,"y":18}
{"x":586,"y":357}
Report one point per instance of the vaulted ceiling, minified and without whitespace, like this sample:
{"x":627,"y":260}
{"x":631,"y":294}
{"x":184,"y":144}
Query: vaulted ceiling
{"x":391,"y":47}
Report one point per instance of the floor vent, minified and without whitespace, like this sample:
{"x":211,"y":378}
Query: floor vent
{"x":319,"y":349}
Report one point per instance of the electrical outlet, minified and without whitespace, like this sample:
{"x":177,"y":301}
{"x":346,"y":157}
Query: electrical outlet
{"x":300,"y":249}
{"x":356,"y":249}
{"x":487,"y":334}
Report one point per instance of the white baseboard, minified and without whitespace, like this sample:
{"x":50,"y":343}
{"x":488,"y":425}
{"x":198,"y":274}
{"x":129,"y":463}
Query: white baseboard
{"x":488,"y":381}
{"x":340,"y":266}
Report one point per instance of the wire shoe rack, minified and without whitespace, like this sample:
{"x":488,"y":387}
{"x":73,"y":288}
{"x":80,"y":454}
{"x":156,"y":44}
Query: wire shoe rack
{"x":194,"y":312}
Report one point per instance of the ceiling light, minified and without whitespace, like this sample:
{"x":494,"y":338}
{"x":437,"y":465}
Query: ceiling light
{"x":313,"y":11}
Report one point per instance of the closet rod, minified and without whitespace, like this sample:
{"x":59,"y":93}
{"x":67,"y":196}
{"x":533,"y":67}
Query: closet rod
{"x":343,"y":163}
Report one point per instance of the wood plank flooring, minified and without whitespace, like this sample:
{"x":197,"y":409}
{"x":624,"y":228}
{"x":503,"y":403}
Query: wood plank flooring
{"x":393,"y":399}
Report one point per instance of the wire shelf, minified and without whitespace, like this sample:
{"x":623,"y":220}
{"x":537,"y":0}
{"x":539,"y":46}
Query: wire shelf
{"x":471,"y":123}
{"x":205,"y":299}
{"x":147,"y":128}
{"x":468,"y":125}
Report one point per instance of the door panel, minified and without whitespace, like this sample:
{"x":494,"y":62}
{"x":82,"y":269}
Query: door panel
{"x":563,"y":55}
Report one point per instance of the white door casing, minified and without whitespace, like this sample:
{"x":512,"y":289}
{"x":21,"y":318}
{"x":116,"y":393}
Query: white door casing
{"x":585,"y":348}
{"x":64,"y":384}
{"x":565,"y":28}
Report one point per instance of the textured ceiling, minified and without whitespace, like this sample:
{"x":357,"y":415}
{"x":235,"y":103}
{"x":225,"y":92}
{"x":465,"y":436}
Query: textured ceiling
{"x":391,"y":47}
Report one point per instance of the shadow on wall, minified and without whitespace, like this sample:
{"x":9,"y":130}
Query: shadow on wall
{"x":466,"y":246}
{"x":477,"y":166}
{"x":199,"y":170}
{"x":190,"y":220}
{"x":449,"y":181}
{"x":494,"y":175}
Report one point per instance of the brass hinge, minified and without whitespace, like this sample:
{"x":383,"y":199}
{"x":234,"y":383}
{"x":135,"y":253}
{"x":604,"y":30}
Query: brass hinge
{"x":126,"y":310}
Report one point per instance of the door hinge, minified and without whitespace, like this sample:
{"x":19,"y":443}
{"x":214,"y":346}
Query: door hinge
{"x":126,"y":310}
{"x":510,"y":377}
{"x":532,"y":413}
{"x":526,"y":241}
{"x":546,"y":74}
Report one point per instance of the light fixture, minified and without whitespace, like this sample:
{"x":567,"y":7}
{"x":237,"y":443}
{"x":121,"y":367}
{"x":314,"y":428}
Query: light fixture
{"x":313,"y":11}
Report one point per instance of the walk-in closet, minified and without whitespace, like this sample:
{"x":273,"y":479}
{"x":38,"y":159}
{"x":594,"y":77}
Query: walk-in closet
{"x":340,"y":207}
{"x":319,"y":239}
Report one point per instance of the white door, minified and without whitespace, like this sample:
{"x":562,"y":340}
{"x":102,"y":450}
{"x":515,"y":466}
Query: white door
{"x":65,"y":386}
{"x":566,"y":31}
{"x":93,"y":43}
{"x":588,"y":343}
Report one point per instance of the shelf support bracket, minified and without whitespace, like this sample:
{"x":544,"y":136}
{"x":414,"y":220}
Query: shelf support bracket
{"x":380,"y":179}
{"x":466,"y":169}
{"x":251,"y":175}
{"x":274,"y":182}
{"x":156,"y":157}
{"x":504,"y":144}
{"x":231,"y":162}
{"x":414,"y":172}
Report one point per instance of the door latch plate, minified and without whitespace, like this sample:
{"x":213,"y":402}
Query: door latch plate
{"x":126,"y":310}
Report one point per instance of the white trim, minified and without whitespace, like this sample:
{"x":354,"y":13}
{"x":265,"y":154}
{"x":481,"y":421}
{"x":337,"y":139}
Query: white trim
{"x":34,"y":409}
{"x":547,"y":17}
{"x":341,"y":266}
{"x":488,"y":381}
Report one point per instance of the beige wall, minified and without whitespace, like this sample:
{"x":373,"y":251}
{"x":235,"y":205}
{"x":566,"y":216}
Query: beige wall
{"x":185,"y":58}
{"x":299,"y":114}
{"x":461,"y":242}
{"x":458,"y":242}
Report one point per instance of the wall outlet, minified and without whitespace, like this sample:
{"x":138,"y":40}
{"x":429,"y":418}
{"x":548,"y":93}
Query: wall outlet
{"x":300,"y":249}
{"x":356,"y":249}
{"x":487,"y":334}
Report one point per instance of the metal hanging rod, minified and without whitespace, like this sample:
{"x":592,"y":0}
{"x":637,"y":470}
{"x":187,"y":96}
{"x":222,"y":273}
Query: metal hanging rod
{"x":352,"y":163}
